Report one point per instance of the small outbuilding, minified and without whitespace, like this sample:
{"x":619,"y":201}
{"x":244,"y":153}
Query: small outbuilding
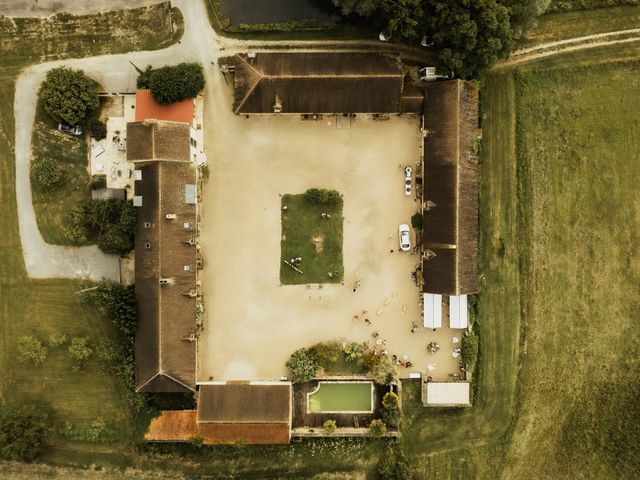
{"x":446,"y":394}
{"x":432,"y":310}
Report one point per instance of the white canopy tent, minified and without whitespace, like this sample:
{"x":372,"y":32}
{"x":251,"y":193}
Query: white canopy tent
{"x":458,"y":313}
{"x":447,"y":394}
{"x":432,"y":310}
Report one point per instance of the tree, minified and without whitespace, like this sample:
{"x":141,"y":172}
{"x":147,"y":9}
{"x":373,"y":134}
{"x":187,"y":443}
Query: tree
{"x":23,"y":432}
{"x":46,"y":173}
{"x":175,"y":83}
{"x":96,"y":128}
{"x":354,"y":351}
{"x":380,"y":368}
{"x":524,"y":13}
{"x":322,"y":196}
{"x":80,"y":351}
{"x":117,"y":302}
{"x":391,"y":417}
{"x":31,"y":349}
{"x":470,"y":35}
{"x":401,"y":16}
{"x":68,"y":96}
{"x":326,"y":352}
{"x":329,"y":426}
{"x":377,"y":428}
{"x":302,"y":365}
{"x":416,"y":221}
{"x":390,"y":401}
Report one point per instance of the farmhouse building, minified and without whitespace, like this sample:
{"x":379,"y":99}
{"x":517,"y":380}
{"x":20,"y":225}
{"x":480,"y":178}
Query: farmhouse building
{"x":166,"y":260}
{"x":322,"y":83}
{"x":450,"y":198}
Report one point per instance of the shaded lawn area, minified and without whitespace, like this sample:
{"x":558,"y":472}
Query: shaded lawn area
{"x":52,"y":204}
{"x":302,"y":225}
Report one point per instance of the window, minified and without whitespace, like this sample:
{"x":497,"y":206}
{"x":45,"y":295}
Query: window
{"x":147,"y":224}
{"x":187,"y":268}
{"x":147,"y":245}
{"x":186,"y":225}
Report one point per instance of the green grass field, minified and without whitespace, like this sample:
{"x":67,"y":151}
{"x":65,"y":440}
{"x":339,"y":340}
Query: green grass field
{"x":316,"y":240}
{"x":70,"y":153}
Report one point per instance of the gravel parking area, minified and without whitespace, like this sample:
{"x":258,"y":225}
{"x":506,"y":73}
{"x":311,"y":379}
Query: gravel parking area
{"x":253,"y":324}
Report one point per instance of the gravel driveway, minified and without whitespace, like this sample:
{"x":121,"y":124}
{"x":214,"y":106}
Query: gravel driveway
{"x":44,"y":8}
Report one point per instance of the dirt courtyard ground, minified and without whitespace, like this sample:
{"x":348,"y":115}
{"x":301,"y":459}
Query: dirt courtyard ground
{"x":252,"y":323}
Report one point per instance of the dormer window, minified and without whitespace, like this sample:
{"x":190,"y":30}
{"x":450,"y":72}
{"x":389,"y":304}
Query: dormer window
{"x":147,"y":224}
{"x":187,"y":268}
{"x":147,"y":245}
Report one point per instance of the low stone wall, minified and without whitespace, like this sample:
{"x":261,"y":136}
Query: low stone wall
{"x":304,"y":432}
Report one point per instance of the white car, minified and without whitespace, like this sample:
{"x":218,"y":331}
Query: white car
{"x":407,"y":181}
{"x":405,"y":238}
{"x":384,"y":36}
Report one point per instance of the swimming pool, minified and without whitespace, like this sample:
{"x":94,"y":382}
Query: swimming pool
{"x":341,"y":397}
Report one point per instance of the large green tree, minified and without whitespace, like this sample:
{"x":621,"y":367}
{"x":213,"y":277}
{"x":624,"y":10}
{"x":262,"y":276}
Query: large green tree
{"x":23,"y":432}
{"x":68,"y":95}
{"x":173,"y":84}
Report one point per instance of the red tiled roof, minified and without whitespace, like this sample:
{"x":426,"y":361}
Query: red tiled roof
{"x":148,"y":108}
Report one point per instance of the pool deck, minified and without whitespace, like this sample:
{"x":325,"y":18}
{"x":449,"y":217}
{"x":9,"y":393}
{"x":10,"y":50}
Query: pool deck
{"x":302,"y":418}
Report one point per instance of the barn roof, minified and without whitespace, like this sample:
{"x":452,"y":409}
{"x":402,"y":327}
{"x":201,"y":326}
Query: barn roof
{"x":165,"y":252}
{"x":157,"y":140}
{"x":327,"y":82}
{"x":147,"y":108}
{"x":450,"y":235}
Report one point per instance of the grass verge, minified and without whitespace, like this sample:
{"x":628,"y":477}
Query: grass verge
{"x":317,"y":240}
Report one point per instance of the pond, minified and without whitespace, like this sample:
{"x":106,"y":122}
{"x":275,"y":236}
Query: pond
{"x":341,"y":397}
{"x":278,"y":11}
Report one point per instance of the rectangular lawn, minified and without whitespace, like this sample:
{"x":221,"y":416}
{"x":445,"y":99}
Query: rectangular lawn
{"x":317,"y":240}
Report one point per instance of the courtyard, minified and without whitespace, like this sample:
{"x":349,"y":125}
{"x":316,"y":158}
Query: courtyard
{"x":252,"y":323}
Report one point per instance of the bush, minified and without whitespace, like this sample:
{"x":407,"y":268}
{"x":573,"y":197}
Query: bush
{"x":302,"y":365}
{"x":354,"y":351}
{"x":390,"y":401}
{"x":322,"y":196}
{"x":469,"y":352}
{"x":80,"y":351}
{"x":175,"y":83}
{"x":96,"y":128}
{"x":68,"y":96}
{"x":117,"y":302}
{"x":23,"y":432}
{"x":391,"y":417}
{"x":380,"y":368}
{"x":377,"y":428}
{"x":329,"y":426}
{"x":97,"y":183}
{"x":326,"y":352}
{"x":46,"y":172}
{"x":56,"y":339}
{"x":417,"y":221}
{"x":31,"y":349}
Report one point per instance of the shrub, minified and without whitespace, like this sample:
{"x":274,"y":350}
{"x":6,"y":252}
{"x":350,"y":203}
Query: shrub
{"x":23,"y":432}
{"x":469,"y":352}
{"x":96,"y":128}
{"x":329,"y":426}
{"x":417,"y":221}
{"x":302,"y":365}
{"x":175,"y":83}
{"x":354,"y":351}
{"x":326,"y":352}
{"x":380,"y":368}
{"x":144,"y":79}
{"x":97,"y":183}
{"x":391,"y":417}
{"x":31,"y":349}
{"x":46,"y":172}
{"x":68,"y":96}
{"x":322,"y":196}
{"x":118,"y":302}
{"x":56,"y":339}
{"x":80,"y":351}
{"x":377,"y":428}
{"x":390,"y":401}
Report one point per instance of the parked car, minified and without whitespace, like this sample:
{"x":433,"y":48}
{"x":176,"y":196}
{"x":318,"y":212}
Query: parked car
{"x":407,"y":180}
{"x":425,"y":42}
{"x":70,"y":130}
{"x":384,"y":36}
{"x":405,"y":238}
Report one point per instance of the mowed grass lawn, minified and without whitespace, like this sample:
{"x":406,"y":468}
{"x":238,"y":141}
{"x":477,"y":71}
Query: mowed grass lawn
{"x":579,"y":163}
{"x":70,"y":153}
{"x":317,"y":240}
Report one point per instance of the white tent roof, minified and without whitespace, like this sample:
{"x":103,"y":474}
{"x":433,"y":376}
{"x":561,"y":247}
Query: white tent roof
{"x":458,"y":313}
{"x":432,"y":310}
{"x":447,"y":394}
